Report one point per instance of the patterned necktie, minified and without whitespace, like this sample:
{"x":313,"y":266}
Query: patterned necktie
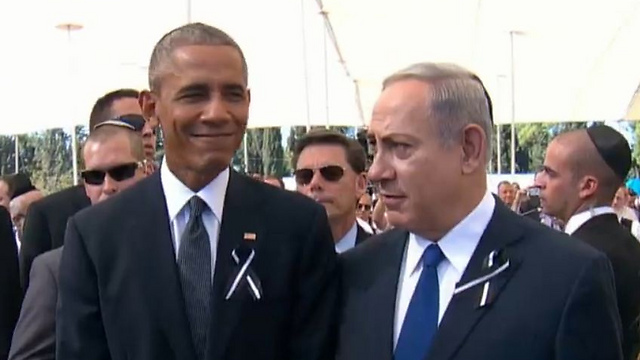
{"x":421,"y":321}
{"x":194,"y":264}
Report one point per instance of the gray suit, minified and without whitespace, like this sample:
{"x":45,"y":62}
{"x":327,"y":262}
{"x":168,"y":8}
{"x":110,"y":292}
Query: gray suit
{"x":35,"y":335}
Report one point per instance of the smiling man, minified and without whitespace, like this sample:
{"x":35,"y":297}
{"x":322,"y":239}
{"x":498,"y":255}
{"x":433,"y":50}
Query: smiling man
{"x":198,"y":261}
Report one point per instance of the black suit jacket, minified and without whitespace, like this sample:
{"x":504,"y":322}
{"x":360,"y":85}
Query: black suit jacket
{"x":361,"y":235}
{"x":10,"y":294}
{"x":555,"y":300}
{"x":605,"y":233}
{"x":45,"y":224}
{"x":120,"y":294}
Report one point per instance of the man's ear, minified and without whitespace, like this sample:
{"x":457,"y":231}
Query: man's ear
{"x":474,"y":144}
{"x":587,"y":186}
{"x":148,"y":101}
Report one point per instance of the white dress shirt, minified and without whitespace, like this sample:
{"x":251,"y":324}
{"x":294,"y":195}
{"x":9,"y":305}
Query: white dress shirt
{"x":177,"y":196}
{"x":348,"y":241}
{"x":457,"y":246}
{"x":579,"y":219}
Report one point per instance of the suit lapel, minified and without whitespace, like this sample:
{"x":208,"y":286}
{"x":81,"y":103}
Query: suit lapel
{"x":361,"y":235}
{"x":241,"y":217}
{"x":464,"y":310}
{"x":380,"y":313}
{"x":157,"y":264}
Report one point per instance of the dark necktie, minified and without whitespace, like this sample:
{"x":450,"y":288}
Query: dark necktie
{"x":194,"y":264}
{"x":421,"y":322}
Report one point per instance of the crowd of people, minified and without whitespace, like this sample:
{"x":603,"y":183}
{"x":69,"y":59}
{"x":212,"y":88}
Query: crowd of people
{"x":410,"y":257}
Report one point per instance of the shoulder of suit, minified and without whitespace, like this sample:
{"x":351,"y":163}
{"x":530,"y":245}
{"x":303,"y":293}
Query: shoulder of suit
{"x":273,"y":196}
{"x":58,"y":199}
{"x":376,"y":245}
{"x":49,"y":259}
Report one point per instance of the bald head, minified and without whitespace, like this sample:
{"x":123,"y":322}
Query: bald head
{"x":19,"y":206}
{"x":108,"y":132}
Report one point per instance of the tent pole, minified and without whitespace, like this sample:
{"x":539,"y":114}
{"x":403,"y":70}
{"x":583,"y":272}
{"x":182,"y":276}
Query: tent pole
{"x":17,"y":153}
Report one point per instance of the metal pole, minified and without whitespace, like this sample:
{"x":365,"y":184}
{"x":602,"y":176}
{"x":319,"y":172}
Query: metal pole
{"x":74,"y":145}
{"x":188,"y":11}
{"x":499,"y":152}
{"x":246,"y":154}
{"x":513,"y":107}
{"x":17,"y":153}
{"x":74,"y":154}
{"x":305,"y":62}
{"x":326,"y":77}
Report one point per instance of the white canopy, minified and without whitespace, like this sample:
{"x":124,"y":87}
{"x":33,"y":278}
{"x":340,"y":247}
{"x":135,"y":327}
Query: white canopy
{"x":573,"y":61}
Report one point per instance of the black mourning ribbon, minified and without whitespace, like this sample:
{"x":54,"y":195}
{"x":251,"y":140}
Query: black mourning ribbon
{"x":243,"y":276}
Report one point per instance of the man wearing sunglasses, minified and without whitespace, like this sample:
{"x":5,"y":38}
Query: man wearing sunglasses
{"x":46,"y":221}
{"x":214,"y":265}
{"x":330,"y":169}
{"x":113,"y":156}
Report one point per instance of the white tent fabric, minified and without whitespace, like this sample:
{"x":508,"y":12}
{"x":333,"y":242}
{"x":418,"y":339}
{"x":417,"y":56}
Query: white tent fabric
{"x":574,"y":61}
{"x":39,"y":88}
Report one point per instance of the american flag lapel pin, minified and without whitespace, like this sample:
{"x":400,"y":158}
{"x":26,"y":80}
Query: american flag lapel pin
{"x":250,"y":236}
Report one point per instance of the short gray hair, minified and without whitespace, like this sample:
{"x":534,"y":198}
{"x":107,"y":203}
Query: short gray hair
{"x":188,"y":35}
{"x":458,"y":98}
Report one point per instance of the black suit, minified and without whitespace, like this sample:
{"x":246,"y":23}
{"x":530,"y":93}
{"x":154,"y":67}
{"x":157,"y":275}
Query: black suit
{"x":361,"y":235}
{"x":120,"y":294}
{"x":10,"y":294}
{"x":555,"y":300}
{"x":45,"y":224}
{"x":605,"y":233}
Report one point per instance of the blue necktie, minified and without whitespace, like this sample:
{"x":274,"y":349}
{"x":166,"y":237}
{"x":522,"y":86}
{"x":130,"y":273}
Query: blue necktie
{"x":421,"y":322}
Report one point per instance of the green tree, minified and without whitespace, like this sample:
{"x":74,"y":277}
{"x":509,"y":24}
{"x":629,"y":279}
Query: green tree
{"x":7,"y":155}
{"x":265,"y":152}
{"x":51,"y":168}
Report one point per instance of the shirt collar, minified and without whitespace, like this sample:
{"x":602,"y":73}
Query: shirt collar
{"x":348,"y":241}
{"x":460,"y":242}
{"x":579,"y":219}
{"x":178,"y":194}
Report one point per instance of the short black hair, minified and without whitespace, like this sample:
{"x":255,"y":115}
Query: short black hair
{"x":102,"y":108}
{"x":503,"y":182}
{"x":18,"y":184}
{"x":189,"y":34}
{"x":354,"y":152}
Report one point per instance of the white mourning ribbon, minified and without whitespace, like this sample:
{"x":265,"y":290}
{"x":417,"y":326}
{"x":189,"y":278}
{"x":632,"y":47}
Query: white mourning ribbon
{"x":243,"y":274}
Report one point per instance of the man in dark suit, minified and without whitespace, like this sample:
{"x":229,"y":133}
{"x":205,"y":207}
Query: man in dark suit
{"x":113,"y":156}
{"x":582,"y":171}
{"x":461,"y":276}
{"x":46,"y":219}
{"x":330,"y":168}
{"x":10,"y":294}
{"x":198,"y":261}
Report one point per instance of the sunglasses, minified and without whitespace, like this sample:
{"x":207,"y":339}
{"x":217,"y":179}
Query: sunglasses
{"x":365,"y":207}
{"x":117,"y":173}
{"x":331,"y":173}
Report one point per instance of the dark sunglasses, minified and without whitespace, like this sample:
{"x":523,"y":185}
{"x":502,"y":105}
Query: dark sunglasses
{"x":330,"y":173}
{"x":117,"y":173}
{"x":365,"y":207}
